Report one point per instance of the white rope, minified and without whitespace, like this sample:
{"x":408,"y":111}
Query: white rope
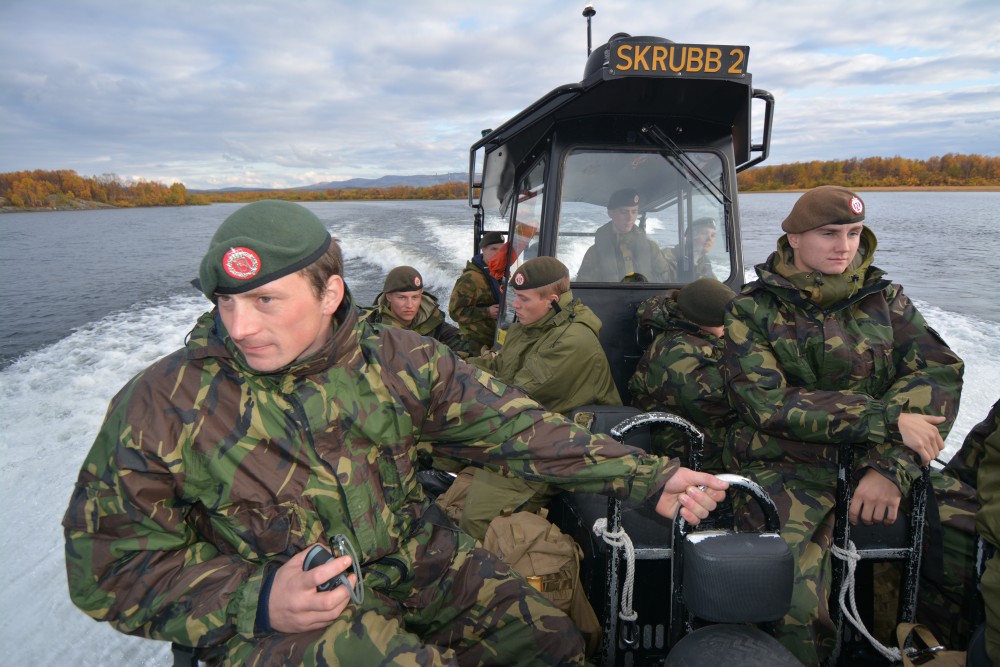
{"x":850,"y":607}
{"x":621,"y":539}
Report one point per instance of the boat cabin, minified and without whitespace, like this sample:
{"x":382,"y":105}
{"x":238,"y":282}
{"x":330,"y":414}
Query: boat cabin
{"x":668,"y":123}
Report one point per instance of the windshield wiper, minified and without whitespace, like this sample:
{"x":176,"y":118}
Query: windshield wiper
{"x":693,"y":171}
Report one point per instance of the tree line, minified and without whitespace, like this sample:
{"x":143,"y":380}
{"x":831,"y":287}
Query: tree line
{"x":948,"y":170}
{"x":64,"y":188}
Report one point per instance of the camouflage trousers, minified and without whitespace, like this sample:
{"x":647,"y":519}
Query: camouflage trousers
{"x":805,"y":499}
{"x":442,"y":600}
{"x":948,"y":567}
{"x":990,"y":588}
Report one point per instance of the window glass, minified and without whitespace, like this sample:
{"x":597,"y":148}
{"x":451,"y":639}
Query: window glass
{"x":523,"y":245}
{"x":666,"y":224}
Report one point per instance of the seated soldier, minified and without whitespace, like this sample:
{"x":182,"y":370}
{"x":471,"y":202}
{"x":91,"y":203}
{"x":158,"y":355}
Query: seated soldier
{"x":553,"y":353}
{"x":988,"y":524}
{"x":700,"y":235}
{"x":621,"y":247}
{"x":679,"y":372}
{"x":475,"y":299}
{"x":404,"y":304}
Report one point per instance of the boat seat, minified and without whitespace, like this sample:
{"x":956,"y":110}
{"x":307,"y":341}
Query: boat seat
{"x":901,"y":541}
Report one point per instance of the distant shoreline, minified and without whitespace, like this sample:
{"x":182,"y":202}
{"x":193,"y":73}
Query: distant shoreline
{"x":87,"y":205}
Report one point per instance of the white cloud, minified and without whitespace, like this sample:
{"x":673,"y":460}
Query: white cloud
{"x":279,"y":93}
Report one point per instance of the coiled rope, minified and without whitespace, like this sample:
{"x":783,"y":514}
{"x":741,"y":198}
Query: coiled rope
{"x":620,"y":538}
{"x":850,"y":607}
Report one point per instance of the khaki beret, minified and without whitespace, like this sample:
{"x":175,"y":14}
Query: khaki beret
{"x":704,"y":301}
{"x":825,"y":205}
{"x":403,"y":279}
{"x":538,"y":272}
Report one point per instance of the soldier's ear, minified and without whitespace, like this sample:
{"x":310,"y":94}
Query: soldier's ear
{"x":333,"y":295}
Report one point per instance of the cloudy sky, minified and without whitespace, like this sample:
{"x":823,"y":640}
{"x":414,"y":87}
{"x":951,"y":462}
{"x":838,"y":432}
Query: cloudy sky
{"x":218,"y":93}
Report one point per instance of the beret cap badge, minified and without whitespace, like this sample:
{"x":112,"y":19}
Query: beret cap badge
{"x":241,"y":263}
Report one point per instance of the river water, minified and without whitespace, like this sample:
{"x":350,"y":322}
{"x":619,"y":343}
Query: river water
{"x":91,"y":297}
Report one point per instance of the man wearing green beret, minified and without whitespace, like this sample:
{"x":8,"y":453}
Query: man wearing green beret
{"x":821,"y":350}
{"x":475,"y":298}
{"x":403,"y":303}
{"x":553,"y":353}
{"x":621,"y":247}
{"x":679,"y":372}
{"x":285,"y":422}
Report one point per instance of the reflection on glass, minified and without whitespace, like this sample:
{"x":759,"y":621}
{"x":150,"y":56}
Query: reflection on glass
{"x":642,"y":217}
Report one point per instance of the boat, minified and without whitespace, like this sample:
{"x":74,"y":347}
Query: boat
{"x":675,"y":123}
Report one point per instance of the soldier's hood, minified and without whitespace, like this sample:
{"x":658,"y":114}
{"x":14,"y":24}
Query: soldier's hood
{"x":209,"y":339}
{"x":570,"y":310}
{"x":768,"y":274}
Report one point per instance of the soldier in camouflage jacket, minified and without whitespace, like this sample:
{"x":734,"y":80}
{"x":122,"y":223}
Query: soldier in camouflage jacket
{"x":823,"y":350}
{"x":284,"y":421}
{"x":426,"y":319}
{"x":475,"y":298}
{"x":679,"y":372}
{"x":988,"y":524}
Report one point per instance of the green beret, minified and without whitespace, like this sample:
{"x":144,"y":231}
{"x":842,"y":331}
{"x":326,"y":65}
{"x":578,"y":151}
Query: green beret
{"x":490,"y":238}
{"x":703,"y":222}
{"x":538,"y":272}
{"x":258,"y":243}
{"x":704,"y":301}
{"x":825,"y":205}
{"x":403,"y":279}
{"x":623,"y":197}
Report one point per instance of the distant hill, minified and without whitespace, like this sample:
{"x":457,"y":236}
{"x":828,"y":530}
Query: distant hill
{"x":418,"y":181}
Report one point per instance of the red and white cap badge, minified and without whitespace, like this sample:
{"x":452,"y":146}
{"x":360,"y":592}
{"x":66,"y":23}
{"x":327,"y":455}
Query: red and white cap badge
{"x":857,"y":206}
{"x":241,"y":263}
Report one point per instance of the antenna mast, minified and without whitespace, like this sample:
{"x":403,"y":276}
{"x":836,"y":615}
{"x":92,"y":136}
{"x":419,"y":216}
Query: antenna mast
{"x":588,"y":11}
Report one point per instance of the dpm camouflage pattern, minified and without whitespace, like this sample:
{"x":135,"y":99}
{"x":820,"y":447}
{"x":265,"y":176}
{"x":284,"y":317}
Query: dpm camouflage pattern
{"x":470,"y":301}
{"x":429,"y":321}
{"x":679,"y":373}
{"x":803,"y":380}
{"x":205,"y":474}
{"x":987,"y":435}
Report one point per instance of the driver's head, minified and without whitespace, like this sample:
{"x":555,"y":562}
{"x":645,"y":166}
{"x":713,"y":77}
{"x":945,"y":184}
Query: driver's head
{"x":623,"y":209}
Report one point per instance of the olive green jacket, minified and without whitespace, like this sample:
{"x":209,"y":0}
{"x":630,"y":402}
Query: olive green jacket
{"x":558,"y":360}
{"x":206,"y":473}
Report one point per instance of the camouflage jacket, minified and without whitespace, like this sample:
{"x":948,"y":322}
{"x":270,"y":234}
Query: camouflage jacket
{"x":429,"y":321}
{"x":474,"y":292}
{"x":987,"y":437}
{"x":804,"y":379}
{"x":205,"y":474}
{"x":679,"y":373}
{"x":558,"y":361}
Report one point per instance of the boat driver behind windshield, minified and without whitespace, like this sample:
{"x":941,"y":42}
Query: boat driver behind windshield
{"x":285,"y":422}
{"x":621,"y":247}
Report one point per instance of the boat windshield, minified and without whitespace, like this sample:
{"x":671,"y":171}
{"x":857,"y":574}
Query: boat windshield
{"x":668,"y":224}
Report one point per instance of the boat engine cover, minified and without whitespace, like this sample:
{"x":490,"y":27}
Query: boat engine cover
{"x":737,"y":577}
